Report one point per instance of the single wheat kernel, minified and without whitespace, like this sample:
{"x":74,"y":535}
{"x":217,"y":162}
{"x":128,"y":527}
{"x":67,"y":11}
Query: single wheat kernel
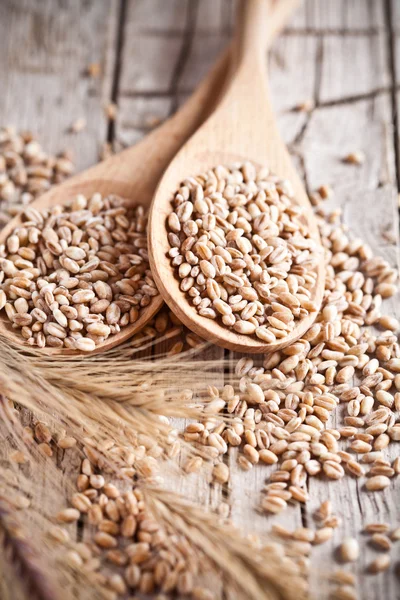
{"x":59,"y":535}
{"x":381,"y":541}
{"x":344,"y":592}
{"x":42,"y":433}
{"x":67,"y":442}
{"x":343,"y":577}
{"x":73,"y":559}
{"x":273,"y":504}
{"x":81,"y":502}
{"x":305,"y":106}
{"x":376,"y":483}
{"x":78,"y":125}
{"x":193,"y":465}
{"x":105,"y":540}
{"x":323,"y":535}
{"x":355,"y":158}
{"x":268,"y":457}
{"x":68,"y":515}
{"x":18,"y":457}
{"x":377,"y":528}
{"x":382,"y":563}
{"x":325,"y":191}
{"x":349,"y":550}
{"x":221,"y":472}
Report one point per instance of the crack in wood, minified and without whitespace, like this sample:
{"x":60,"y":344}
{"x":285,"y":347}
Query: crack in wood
{"x":295,"y":151}
{"x":119,"y":48}
{"x":184,"y":53}
{"x":289,"y":31}
{"x":371,"y":95}
{"x":358,"y":97}
{"x":316,"y":92}
{"x":391,"y":49}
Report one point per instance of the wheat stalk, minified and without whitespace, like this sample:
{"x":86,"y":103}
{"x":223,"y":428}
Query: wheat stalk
{"x":21,"y":556}
{"x":117,"y":394}
{"x":247,"y":570}
{"x":229,"y":553}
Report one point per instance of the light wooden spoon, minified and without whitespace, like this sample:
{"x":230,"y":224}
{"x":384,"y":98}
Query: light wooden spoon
{"x":134,"y":174}
{"x":243,"y":127}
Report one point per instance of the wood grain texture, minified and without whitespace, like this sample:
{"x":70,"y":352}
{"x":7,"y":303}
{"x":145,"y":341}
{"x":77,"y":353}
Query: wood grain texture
{"x":46,"y":48}
{"x":335,"y":52}
{"x":367,"y":196}
{"x":341,"y":16}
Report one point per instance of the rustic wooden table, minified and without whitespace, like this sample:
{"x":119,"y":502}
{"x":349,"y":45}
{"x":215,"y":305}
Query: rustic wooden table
{"x":342,"y":54}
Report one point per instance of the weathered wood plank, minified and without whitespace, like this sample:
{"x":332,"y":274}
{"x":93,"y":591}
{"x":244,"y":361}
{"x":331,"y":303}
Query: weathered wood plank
{"x":367,"y":196}
{"x":395,"y":67}
{"x":293,"y":83}
{"x":216,"y":15}
{"x":156,"y":16}
{"x":342,"y":15}
{"x":154,"y":34}
{"x":353,"y":66}
{"x":333,"y":132}
{"x":395,"y":10}
{"x":46,"y":48}
{"x":137,"y":116}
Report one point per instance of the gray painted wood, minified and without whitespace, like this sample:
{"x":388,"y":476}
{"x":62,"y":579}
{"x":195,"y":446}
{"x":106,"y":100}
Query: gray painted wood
{"x":368,"y":197}
{"x":341,"y":16}
{"x":334,"y":52}
{"x":46,"y":48}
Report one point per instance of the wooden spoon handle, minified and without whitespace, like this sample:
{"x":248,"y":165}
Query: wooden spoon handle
{"x":257,"y":23}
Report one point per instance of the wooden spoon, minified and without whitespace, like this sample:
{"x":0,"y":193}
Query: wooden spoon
{"x":134,"y":174}
{"x":243,"y":127}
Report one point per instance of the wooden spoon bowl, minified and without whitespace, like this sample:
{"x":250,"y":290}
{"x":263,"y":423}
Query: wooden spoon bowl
{"x":242,"y":128}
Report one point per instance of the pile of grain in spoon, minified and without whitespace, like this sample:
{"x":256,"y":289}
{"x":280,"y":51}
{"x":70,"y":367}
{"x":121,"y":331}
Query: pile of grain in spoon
{"x":242,"y":250}
{"x":71,"y":276}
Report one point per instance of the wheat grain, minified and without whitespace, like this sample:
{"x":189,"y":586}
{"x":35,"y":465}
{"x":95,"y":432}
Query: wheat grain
{"x":378,"y":482}
{"x":376,"y":528}
{"x":78,"y":125}
{"x":344,"y":592}
{"x":349,"y":550}
{"x":382,"y":563}
{"x":381,"y":541}
{"x":355,"y":158}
